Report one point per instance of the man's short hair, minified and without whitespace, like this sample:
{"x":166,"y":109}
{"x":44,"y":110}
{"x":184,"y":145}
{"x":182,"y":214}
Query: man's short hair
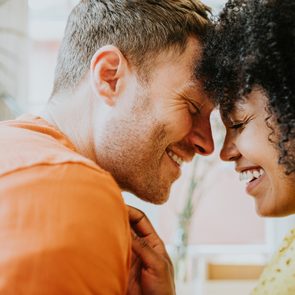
{"x":139,"y":28}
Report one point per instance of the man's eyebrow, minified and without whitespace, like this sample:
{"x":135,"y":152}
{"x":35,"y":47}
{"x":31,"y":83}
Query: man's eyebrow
{"x":191,"y":100}
{"x":198,"y":86}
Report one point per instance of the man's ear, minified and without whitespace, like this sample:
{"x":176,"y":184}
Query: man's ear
{"x":108,"y":73}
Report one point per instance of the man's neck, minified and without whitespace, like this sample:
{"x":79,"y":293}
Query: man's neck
{"x":71,"y":114}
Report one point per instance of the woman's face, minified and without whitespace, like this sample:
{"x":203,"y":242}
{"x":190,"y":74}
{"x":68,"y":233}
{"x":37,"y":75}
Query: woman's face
{"x":256,"y":158}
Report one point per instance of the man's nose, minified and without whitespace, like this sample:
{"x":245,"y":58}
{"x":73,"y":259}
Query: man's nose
{"x":201,"y":138}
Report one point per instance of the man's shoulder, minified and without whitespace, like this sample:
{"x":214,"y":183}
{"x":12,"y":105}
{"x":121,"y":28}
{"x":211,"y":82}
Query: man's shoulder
{"x":66,"y":187}
{"x":69,"y":219}
{"x":69,"y":179}
{"x":37,"y":159}
{"x":28,"y":145}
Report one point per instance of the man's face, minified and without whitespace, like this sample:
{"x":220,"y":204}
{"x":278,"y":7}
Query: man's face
{"x":157,"y":126}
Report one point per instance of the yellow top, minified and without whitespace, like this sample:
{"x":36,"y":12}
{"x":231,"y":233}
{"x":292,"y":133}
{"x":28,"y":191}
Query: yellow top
{"x":278,"y":278}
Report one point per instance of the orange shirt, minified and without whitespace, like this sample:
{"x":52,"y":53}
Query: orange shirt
{"x":63,"y":223}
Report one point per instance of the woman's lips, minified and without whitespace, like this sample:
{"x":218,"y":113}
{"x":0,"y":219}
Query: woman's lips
{"x":253,"y":185}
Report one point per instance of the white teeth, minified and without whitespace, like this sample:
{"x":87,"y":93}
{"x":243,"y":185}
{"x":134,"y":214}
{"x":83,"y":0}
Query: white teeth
{"x":175,"y":158}
{"x":256,"y":174}
{"x":251,"y":174}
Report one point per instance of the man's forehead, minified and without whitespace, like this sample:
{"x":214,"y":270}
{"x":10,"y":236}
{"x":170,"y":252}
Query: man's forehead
{"x":196,"y":88}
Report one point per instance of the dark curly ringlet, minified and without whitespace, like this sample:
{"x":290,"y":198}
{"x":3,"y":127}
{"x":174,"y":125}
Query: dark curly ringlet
{"x":253,"y":44}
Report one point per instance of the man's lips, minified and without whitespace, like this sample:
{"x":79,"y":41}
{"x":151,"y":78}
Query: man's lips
{"x":174,"y":157}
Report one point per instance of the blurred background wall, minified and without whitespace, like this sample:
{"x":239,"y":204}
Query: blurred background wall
{"x":13,"y":57}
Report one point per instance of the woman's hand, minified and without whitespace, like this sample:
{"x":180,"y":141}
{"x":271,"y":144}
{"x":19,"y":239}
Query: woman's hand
{"x":151,"y":268}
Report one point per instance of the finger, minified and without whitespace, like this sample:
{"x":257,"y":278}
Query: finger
{"x":159,"y":265}
{"x":147,"y":255}
{"x":143,"y":228}
{"x":140,"y":223}
{"x":155,"y":245}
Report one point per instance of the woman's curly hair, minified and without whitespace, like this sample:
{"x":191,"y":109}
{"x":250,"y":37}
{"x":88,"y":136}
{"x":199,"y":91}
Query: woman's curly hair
{"x":253,"y":44}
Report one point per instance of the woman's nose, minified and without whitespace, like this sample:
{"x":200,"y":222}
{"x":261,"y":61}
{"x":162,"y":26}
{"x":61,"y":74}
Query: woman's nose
{"x":229,"y":151}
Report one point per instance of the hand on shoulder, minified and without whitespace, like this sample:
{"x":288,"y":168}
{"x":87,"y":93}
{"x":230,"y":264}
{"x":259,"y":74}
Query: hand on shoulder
{"x":151,"y":268}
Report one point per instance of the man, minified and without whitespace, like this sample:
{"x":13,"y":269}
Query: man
{"x":125,"y":112}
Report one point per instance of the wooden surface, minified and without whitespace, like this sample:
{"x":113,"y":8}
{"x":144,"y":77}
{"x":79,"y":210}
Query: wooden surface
{"x":234,"y":272}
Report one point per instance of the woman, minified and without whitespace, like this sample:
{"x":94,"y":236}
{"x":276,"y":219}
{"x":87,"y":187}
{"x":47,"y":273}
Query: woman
{"x":249,"y":68}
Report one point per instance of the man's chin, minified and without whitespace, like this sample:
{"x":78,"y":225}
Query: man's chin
{"x":149,"y":194}
{"x":156,"y":198}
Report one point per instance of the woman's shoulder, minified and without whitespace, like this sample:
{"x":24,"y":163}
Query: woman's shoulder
{"x":279,"y":276}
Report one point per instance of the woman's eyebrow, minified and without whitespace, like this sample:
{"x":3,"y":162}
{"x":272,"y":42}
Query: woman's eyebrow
{"x":239,"y":106}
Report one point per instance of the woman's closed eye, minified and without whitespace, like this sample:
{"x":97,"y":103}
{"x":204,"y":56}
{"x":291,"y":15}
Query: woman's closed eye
{"x":237,"y":125}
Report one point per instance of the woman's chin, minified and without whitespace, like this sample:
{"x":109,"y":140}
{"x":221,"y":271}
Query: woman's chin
{"x":272,"y":211}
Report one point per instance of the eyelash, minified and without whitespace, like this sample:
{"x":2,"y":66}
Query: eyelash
{"x":238,"y":125}
{"x":195,"y":107}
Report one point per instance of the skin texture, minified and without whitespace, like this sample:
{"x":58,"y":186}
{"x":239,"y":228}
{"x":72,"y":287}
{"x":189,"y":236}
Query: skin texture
{"x":153,"y":118}
{"x":247,"y":143}
{"x":132,"y":123}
